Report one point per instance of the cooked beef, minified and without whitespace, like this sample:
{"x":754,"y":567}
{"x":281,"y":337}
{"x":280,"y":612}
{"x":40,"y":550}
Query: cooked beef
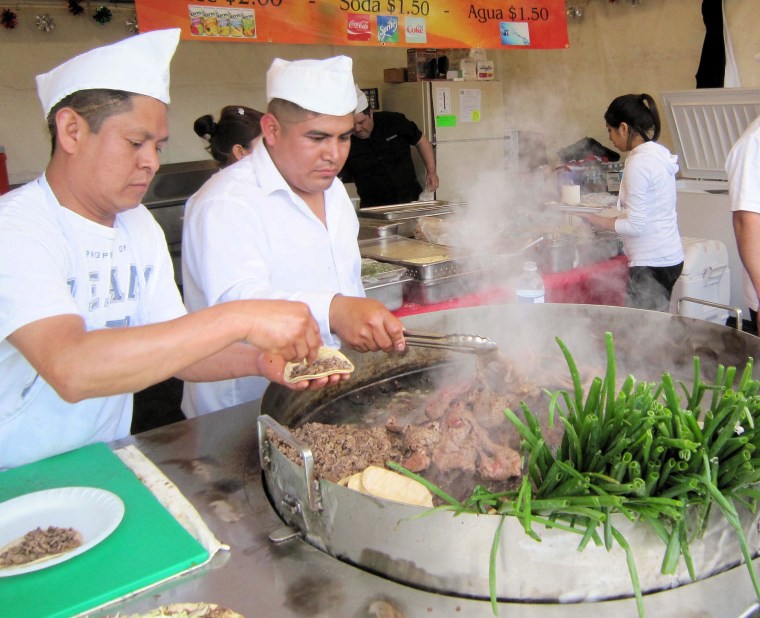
{"x":326,"y":363}
{"x":40,"y":543}
{"x":342,"y":450}
{"x":463,"y":438}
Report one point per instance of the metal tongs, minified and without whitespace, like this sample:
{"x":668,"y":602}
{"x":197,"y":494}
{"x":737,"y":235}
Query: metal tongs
{"x":472,"y":344}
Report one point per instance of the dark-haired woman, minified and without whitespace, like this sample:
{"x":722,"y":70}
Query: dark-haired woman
{"x":231,"y":138}
{"x":647,"y":221}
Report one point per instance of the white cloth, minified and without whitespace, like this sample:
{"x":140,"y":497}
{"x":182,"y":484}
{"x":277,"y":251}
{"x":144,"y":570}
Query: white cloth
{"x":321,"y":86}
{"x":54,"y":262}
{"x":138,"y":64}
{"x":649,"y":225}
{"x":247,"y":235}
{"x":743,"y":168}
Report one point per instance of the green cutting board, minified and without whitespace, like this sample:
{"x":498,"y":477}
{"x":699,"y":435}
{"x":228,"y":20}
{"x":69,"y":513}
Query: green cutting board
{"x":148,"y":546}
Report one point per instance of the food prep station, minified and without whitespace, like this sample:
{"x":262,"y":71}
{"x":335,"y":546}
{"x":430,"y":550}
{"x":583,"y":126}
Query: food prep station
{"x":441,"y":267}
{"x":271,"y":570}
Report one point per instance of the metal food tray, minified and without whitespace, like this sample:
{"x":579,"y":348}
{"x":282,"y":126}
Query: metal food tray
{"x":390,"y":293}
{"x":443,"y":289}
{"x":374,"y":228}
{"x":409,"y":210}
{"x":423,"y":260}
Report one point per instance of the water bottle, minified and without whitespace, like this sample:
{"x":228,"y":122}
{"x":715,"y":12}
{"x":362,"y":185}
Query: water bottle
{"x":530,"y":286}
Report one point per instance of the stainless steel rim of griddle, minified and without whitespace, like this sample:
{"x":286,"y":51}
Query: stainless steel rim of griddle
{"x":471,"y":344}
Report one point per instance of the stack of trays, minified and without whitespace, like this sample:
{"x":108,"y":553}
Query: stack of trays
{"x":437,"y":272}
{"x":404,"y":216}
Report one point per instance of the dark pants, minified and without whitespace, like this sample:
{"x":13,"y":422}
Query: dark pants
{"x":650,"y":287}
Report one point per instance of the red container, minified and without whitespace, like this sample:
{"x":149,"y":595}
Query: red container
{"x":4,"y":185}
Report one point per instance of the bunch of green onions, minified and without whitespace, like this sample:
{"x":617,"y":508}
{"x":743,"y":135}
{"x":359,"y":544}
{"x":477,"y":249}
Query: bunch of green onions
{"x":642,"y":451}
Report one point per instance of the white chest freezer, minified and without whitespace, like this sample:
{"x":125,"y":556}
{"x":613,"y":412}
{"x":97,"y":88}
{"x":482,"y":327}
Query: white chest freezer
{"x":706,"y":275}
{"x":704,"y":124}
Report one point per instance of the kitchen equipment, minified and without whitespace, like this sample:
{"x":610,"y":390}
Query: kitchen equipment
{"x":464,"y":123}
{"x":215,"y":457}
{"x":407,"y":214}
{"x":556,"y":253}
{"x":704,"y":124}
{"x":437,"y":272}
{"x":602,"y":245}
{"x":390,"y":293}
{"x":473,"y":344}
{"x":423,"y":260}
{"x":148,"y":546}
{"x":450,"y":554}
{"x":706,"y":276}
{"x":374,"y":228}
{"x":171,"y":187}
{"x":384,"y":282}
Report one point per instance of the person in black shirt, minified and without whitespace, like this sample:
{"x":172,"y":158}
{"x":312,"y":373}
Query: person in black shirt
{"x":380,"y":159}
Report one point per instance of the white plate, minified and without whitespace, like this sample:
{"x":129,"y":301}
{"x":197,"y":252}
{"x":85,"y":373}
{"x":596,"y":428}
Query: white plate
{"x":94,"y":513}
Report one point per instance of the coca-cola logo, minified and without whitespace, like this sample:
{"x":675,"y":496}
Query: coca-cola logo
{"x":417,"y":29}
{"x":358,"y":25}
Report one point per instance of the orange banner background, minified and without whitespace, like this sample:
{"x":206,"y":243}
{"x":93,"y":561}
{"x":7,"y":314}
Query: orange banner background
{"x":490,"y":24}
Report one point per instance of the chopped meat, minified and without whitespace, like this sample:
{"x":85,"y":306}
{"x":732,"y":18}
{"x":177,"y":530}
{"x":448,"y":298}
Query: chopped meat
{"x":319,"y":366}
{"x":40,"y":543}
{"x":456,"y":437}
{"x":342,"y":450}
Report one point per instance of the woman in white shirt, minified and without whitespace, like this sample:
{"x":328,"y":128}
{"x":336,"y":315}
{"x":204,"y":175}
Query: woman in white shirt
{"x":647,"y":222}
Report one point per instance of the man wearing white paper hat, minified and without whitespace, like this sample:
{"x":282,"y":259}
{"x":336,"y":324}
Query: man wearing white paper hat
{"x":380,"y":160}
{"x":279,"y":224}
{"x":81,"y":260}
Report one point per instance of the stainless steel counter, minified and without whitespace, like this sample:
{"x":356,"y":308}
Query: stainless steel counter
{"x":214,"y":462}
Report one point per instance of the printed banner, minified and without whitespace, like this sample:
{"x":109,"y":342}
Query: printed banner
{"x":489,"y":24}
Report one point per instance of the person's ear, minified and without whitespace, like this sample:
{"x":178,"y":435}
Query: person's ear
{"x":624,"y":129}
{"x":70,"y":128}
{"x":238,"y":152}
{"x":270,"y":129}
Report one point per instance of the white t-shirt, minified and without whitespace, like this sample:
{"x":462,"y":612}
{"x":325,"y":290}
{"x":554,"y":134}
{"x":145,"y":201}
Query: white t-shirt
{"x":247,"y":235}
{"x":55,"y":262}
{"x":743,"y":167}
{"x":649,"y":225}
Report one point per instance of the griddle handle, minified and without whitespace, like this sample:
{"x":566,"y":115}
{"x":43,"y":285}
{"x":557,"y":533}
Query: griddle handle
{"x":700,"y":301}
{"x":265,"y":422}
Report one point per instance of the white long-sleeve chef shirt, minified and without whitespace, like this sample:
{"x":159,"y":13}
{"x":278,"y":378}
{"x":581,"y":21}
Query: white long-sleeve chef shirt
{"x":247,"y":235}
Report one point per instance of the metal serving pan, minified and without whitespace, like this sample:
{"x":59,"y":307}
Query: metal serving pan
{"x":438,"y":290}
{"x":423,"y":260}
{"x":374,"y":228}
{"x":393,"y":212}
{"x":390,"y":293}
{"x":406,"y":215}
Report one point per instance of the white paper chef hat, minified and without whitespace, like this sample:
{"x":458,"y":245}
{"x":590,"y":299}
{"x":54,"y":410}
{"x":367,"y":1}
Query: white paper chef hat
{"x":321,"y":86}
{"x":361,"y":101}
{"x":139,"y":64}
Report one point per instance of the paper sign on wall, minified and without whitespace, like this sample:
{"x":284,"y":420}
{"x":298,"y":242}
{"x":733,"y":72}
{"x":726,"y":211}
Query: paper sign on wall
{"x":470,"y":101}
{"x":442,"y":101}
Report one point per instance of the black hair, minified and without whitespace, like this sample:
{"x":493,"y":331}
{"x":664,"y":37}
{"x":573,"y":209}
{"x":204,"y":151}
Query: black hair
{"x":639,"y":112}
{"x":237,"y":125}
{"x":95,"y":106}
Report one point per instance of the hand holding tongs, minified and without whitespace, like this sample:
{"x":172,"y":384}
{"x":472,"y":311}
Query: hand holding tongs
{"x":473,"y":344}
